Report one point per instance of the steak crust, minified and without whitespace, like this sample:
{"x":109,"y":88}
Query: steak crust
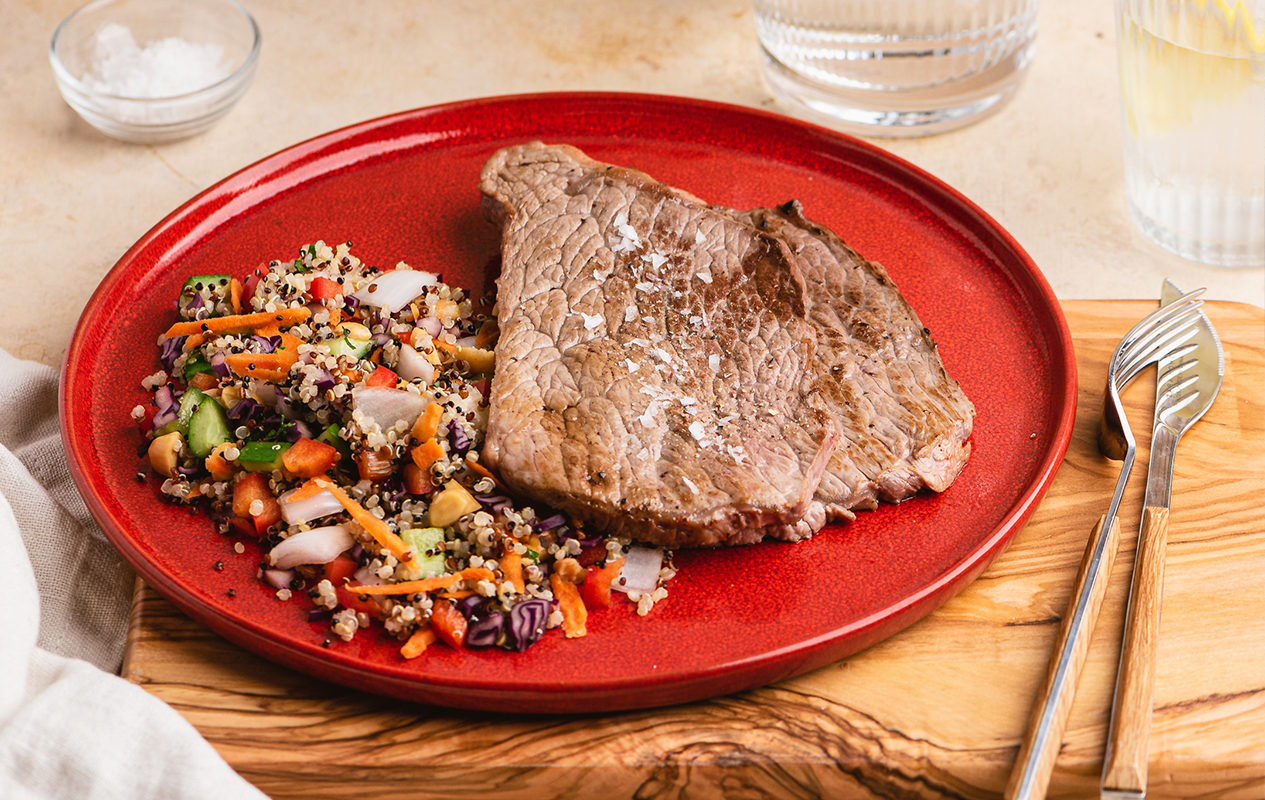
{"x":692,"y":375}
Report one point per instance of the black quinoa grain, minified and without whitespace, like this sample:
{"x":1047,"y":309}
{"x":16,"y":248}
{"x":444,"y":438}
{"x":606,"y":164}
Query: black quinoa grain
{"x":232,"y":592}
{"x":219,"y":566}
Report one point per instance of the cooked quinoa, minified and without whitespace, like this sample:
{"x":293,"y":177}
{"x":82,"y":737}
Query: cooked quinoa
{"x":283,"y":393}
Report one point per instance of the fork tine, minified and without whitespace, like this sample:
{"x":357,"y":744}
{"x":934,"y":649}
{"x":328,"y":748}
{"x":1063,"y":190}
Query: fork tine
{"x":1181,"y":305}
{"x":1158,"y":326}
{"x":1156,"y":350}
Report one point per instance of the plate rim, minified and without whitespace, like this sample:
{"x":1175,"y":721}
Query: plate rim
{"x":914,"y":605}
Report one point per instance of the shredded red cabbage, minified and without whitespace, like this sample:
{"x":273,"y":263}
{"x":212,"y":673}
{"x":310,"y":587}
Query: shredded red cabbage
{"x":171,"y":350}
{"x":526,"y":624}
{"x":549,"y":523}
{"x":219,"y":364}
{"x":485,"y":632}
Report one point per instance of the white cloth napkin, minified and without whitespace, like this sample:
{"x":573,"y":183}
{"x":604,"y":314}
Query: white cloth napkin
{"x":69,"y":726}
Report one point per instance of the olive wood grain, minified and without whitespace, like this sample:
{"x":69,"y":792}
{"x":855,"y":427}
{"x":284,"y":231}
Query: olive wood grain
{"x":936,"y":711}
{"x":1125,"y":764}
{"x":1044,"y":734}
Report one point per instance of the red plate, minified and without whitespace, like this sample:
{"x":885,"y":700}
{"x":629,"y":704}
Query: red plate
{"x":405,"y":188}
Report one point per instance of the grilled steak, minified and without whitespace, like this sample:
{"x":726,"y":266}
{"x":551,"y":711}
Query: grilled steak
{"x":691,"y":375}
{"x":904,"y":422}
{"x":651,"y":357}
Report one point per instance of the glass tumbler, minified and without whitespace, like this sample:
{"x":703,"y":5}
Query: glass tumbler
{"x":1192,"y":90}
{"x":895,"y":67}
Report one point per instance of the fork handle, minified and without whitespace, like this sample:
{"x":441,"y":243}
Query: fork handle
{"x":1044,"y":737}
{"x":1125,"y":765}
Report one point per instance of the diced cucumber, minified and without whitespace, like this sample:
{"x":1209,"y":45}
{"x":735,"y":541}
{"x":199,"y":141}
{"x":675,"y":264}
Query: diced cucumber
{"x":213,"y":291}
{"x":208,"y":427}
{"x":347,"y":346}
{"x":188,"y":404}
{"x":196,"y":363}
{"x":262,"y":456}
{"x":331,"y":436}
{"x":423,"y":540}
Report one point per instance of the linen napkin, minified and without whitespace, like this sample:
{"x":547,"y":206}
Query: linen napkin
{"x":69,"y":726}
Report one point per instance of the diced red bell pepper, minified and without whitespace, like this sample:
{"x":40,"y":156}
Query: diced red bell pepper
{"x":338,"y":572}
{"x":448,"y":622}
{"x":308,"y":458}
{"x":254,"y":486}
{"x":252,"y":280}
{"x":596,"y":589}
{"x":416,"y":481}
{"x":382,"y":376}
{"x":245,"y":526}
{"x":323,"y":288}
{"x":375,"y":465}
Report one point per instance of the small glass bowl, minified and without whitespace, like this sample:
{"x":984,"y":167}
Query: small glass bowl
{"x":219,"y":23}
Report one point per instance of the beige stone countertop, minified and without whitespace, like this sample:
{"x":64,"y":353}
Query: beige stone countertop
{"x":1047,"y":167}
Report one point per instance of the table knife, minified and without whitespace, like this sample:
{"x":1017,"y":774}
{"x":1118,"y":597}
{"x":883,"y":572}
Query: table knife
{"x":1186,"y":385}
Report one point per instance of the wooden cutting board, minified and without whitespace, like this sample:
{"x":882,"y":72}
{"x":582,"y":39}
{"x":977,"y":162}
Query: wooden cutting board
{"x":936,"y":711}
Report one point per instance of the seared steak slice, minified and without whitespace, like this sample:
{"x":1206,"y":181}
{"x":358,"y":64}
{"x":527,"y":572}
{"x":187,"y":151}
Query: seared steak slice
{"x":655,"y":362}
{"x":904,"y":422}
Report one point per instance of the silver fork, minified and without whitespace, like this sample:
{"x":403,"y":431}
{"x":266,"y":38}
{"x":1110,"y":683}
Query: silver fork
{"x":1162,"y":334}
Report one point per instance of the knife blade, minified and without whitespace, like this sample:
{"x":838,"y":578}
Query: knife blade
{"x":1187,"y":384}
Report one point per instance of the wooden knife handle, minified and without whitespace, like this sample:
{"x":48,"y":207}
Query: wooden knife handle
{"x":1124,"y":767}
{"x":1044,"y":737}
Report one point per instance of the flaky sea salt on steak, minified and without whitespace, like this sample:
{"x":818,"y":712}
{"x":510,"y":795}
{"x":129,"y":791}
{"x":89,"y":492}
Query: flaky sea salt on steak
{"x":653,"y":357}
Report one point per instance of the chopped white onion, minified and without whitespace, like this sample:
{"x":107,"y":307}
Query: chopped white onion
{"x":641,"y":570}
{"x":386,"y":406}
{"x":414,"y":365}
{"x":395,"y":289}
{"x":367,"y":577}
{"x":467,"y":341}
{"x":431,"y":325}
{"x":321,"y":504}
{"x":279,"y":578}
{"x":317,"y":546}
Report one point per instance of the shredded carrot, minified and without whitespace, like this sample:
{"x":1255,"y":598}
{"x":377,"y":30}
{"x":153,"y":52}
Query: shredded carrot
{"x":195,"y":341}
{"x":239,"y":323}
{"x":512,"y":567}
{"x":574,"y":614}
{"x":418,"y":642}
{"x":271,"y":367}
{"x":447,"y":347}
{"x":308,"y":489}
{"x":374,"y":526}
{"x":482,"y":471}
{"x":427,"y":424}
{"x":426,"y":584}
{"x":456,"y":594}
{"x":427,"y":453}
{"x":235,"y":295}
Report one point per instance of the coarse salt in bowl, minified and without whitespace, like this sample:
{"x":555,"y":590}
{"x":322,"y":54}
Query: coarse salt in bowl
{"x":155,"y":70}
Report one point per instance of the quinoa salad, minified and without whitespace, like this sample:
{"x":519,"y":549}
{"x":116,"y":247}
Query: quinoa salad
{"x":334,"y":412}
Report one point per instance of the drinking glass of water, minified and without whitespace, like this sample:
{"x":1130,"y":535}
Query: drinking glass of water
{"x":895,"y":67}
{"x":1192,"y":86}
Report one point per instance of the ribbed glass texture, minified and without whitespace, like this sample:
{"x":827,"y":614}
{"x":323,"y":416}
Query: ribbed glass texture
{"x":1192,"y":85}
{"x":893,"y":45}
